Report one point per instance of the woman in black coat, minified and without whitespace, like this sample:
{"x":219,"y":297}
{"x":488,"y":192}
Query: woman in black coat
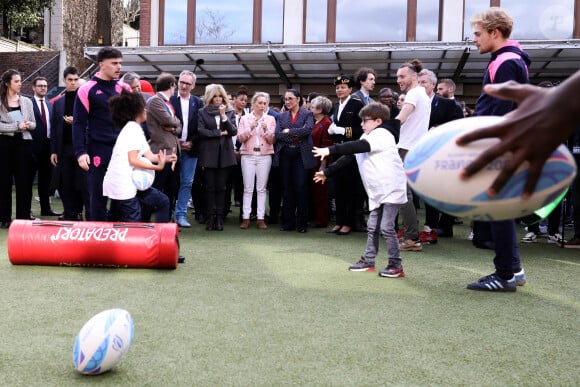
{"x":294,"y":156}
{"x":216,"y":126}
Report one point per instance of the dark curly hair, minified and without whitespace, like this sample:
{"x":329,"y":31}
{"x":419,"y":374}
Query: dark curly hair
{"x":126,"y":107}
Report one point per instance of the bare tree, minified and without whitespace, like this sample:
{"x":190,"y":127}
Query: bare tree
{"x":117,"y":16}
{"x":79,"y":29}
{"x":212,"y":29}
{"x":131,"y":11}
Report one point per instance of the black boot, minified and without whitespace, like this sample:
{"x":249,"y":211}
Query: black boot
{"x":210,"y":224}
{"x":219,"y":221}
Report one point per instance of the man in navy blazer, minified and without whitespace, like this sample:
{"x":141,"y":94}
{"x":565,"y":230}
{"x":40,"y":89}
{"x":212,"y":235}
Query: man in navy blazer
{"x":442,"y":110}
{"x":41,"y":144}
{"x":68,"y":177}
{"x":186,"y":107}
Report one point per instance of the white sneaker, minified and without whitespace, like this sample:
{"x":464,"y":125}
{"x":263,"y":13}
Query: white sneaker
{"x":427,"y":229}
{"x":470,"y":236}
{"x":529,"y":237}
{"x":556,"y":238}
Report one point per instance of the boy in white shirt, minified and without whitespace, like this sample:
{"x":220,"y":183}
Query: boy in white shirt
{"x":128,"y":111}
{"x":383,"y":177}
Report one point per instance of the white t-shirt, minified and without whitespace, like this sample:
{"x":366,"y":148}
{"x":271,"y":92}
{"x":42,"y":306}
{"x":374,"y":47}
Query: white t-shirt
{"x":381,"y":170}
{"x":117,"y":183}
{"x":417,"y":124}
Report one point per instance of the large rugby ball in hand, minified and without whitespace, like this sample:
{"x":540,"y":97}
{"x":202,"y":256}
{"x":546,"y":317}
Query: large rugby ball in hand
{"x":143,"y":178}
{"x":103,"y":341}
{"x":434,"y":164}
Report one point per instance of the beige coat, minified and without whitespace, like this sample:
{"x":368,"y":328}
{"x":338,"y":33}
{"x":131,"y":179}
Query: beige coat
{"x":164,"y":127}
{"x":8,"y":126}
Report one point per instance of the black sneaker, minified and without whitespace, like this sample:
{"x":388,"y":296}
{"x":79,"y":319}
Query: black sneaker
{"x":492,"y":283}
{"x":362,"y":265}
{"x":393,"y":270}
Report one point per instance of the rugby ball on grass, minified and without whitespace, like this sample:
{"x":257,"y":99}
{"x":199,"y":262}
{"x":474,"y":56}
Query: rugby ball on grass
{"x":103,"y":341}
{"x":434,"y":164}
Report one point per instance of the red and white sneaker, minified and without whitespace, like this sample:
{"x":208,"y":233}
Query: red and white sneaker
{"x":428,"y":237}
{"x":393,"y":270}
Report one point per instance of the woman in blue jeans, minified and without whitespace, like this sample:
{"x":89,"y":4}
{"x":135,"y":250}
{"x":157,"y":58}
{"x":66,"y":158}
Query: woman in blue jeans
{"x":294,"y":157}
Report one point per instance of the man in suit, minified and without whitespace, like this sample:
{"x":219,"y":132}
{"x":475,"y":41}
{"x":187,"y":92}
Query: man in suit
{"x":442,"y":110}
{"x":446,"y":88}
{"x":186,"y":107}
{"x":364,"y":79}
{"x":41,"y":144}
{"x":165,"y":130}
{"x":68,"y":177}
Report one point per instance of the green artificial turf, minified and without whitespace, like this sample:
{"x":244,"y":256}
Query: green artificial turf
{"x":268,"y":308}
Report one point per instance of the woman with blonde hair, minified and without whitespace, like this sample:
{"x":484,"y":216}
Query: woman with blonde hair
{"x":216,"y":126}
{"x":16,"y":122}
{"x":256,"y":134}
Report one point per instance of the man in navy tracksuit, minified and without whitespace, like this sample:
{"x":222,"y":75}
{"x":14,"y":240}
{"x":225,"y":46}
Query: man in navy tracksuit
{"x":93,"y":132}
{"x":492,"y":29}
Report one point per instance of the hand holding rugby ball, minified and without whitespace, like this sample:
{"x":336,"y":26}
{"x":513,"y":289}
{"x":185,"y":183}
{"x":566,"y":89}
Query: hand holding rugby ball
{"x":433,"y":169}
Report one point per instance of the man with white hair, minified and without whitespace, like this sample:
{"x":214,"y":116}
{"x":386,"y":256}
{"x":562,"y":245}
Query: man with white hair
{"x":186,"y":106}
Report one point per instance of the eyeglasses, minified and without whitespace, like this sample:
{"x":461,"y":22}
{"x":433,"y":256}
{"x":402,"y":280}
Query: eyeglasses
{"x":364,"y":120}
{"x":185,"y":83}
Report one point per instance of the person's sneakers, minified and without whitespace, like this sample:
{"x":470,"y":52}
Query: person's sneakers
{"x":492,"y":283}
{"x":529,"y":237}
{"x":182,"y":222}
{"x":410,"y":245}
{"x":428,"y":238}
{"x":520,"y":278}
{"x":393,"y":270}
{"x":401,"y":234}
{"x":574,"y":243}
{"x":362,"y":265}
{"x":556,"y":239}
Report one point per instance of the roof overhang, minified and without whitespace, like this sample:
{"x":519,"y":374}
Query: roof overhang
{"x":316,"y":63}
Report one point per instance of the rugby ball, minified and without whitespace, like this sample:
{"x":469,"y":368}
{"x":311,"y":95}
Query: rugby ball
{"x":434,"y":164}
{"x":103,"y":341}
{"x":143,"y":178}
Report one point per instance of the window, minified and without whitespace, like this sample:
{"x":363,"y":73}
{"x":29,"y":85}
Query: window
{"x":552,"y":19}
{"x":316,"y":21}
{"x":371,"y":21}
{"x":427,"y":20}
{"x":472,"y":7}
{"x":272,"y":21}
{"x":175,"y":22}
{"x":226,"y":21}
